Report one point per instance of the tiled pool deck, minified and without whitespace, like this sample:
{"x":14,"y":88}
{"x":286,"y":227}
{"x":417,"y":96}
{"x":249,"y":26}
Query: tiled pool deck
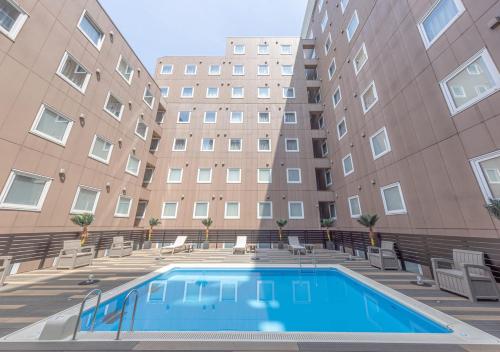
{"x":32,"y":296}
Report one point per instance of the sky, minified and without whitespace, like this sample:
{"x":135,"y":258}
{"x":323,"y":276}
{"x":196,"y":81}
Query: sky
{"x":157,"y":28}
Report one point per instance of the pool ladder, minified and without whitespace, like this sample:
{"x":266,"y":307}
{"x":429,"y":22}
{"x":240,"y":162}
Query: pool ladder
{"x":314,"y":260}
{"x":95,"y":292}
{"x":134,"y":291}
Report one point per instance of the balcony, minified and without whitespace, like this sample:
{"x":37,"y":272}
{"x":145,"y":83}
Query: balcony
{"x":320,"y":148}
{"x":323,"y":179}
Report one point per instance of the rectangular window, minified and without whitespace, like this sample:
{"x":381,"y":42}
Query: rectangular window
{"x":123,"y":207}
{"x":190,"y":69}
{"x":232,"y":210}
{"x":473,"y":81}
{"x":343,"y":5}
{"x":286,"y":70}
{"x":214,"y":70}
{"x":183,"y":116}
{"x":155,"y":143}
{"x":354,"y":206}
{"x":207,"y":145}
{"x":293,"y":175}
{"x":360,"y":59}
{"x":379,"y":143}
{"x":264,"y":176}
{"x":204,"y":175}
{"x":324,"y":21}
{"x":235,"y":145}
{"x":167,"y":69}
{"x":352,"y":26}
{"x":236,"y":117}
{"x":169,"y":210}
{"x":238,"y":70}
{"x":324,"y":148}
{"x":148,"y":98}
{"x":487,"y":171}
{"x":331,"y":69}
{"x":288,"y":92}
{"x":113,"y":106}
{"x":125,"y":70}
{"x":73,"y":73}
{"x":264,"y":145}
{"x":264,"y":210}
{"x":392,"y":196}
{"x":164,"y":91}
{"x":101,"y":149}
{"x":328,"y":43}
{"x":212,"y":92}
{"x":263,"y":92}
{"x":347,"y":164}
{"x":200,"y":210}
{"x":179,"y":145}
{"x":24,"y":191}
{"x":292,"y":145}
{"x":333,"y":211}
{"x":262,"y":49}
{"x":12,"y":18}
{"x":187,"y":92}
{"x":210,"y":117}
{"x":336,"y":97}
{"x":237,"y":92}
{"x":85,"y":201}
{"x":296,"y":210}
{"x":239,"y":49}
{"x":148,"y":174}
{"x":286,"y":49}
{"x":290,"y":117}
{"x":328,"y":178}
{"x":141,"y":209}
{"x":141,"y":129}
{"x":133,"y":165}
{"x":438,"y":19}
{"x":320,"y":5}
{"x":369,"y":97}
{"x":174,"y":175}
{"x":263,"y":70}
{"x":264,"y":117}
{"x":233,"y":175}
{"x":341,"y":128}
{"x":88,"y":27}
{"x":51,"y":125}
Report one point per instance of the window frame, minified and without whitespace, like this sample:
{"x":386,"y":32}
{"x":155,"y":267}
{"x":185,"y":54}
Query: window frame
{"x":162,"y":89}
{"x":179,"y":150}
{"x":205,"y":117}
{"x":207,"y":150}
{"x":20,"y":207}
{"x":229,"y":145}
{"x":168,"y":73}
{"x":194,"y":209}
{"x":129,"y":81}
{"x":231,"y":116}
{"x":187,"y":96}
{"x":388,"y":150}
{"x":283,"y":73}
{"x":117,"y":215}
{"x":393,"y":212}
{"x":328,"y":44}
{"x":259,"y":52}
{"x":333,"y":96}
{"x":186,"y":70}
{"x":288,"y":181}
{"x":329,"y":178}
{"x":227,"y":175}
{"x":354,"y":216}
{"x":268,"y":71}
{"x":212,"y":97}
{"x":338,"y":130}
{"x":18,"y":24}
{"x":343,"y":6}
{"x":234,"y":96}
{"x":286,"y":52}
{"x":286,"y":89}
{"x":105,"y":108}
{"x":259,"y":169}
{"x":350,"y":36}
{"x":75,"y":211}
{"x":98,"y":46}
{"x":264,"y":151}
{"x":179,"y":115}
{"x":67,"y":80}
{"x":130,"y":156}
{"x":43,"y":135}
{"x":210,"y":73}
{"x":225,"y":210}
{"x":481,"y":177}
{"x":271,"y":208}
{"x":268,"y":96}
{"x":97,"y":158}
{"x":349,"y":155}
{"x":167,"y":217}
{"x":235,"y":52}
{"x":290,"y":208}
{"x":146,"y":89}
{"x":198,"y":175}
{"x":145,"y":137}
{"x":357,"y":69}
{"x":242,"y":72}
{"x":324,"y":22}
{"x":264,"y":112}
{"x":366,"y":109}
{"x":169,"y":174}
{"x":295,"y":117}
{"x":286,"y":145}
{"x":330,"y":75}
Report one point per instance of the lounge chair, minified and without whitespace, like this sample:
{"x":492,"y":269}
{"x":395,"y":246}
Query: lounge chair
{"x":384,"y":257}
{"x":466,"y":275}
{"x":178,"y":244}
{"x":73,"y":255}
{"x":4,"y":268}
{"x":241,"y":244}
{"x":120,"y":248}
{"x":294,"y":246}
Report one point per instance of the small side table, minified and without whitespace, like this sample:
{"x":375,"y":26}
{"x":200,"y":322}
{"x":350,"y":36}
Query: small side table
{"x":251,"y":248}
{"x":309,"y":247}
{"x":189,"y":247}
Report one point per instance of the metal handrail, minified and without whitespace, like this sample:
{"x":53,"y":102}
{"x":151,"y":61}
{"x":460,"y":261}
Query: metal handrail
{"x":123,"y":312}
{"x":97,"y":292}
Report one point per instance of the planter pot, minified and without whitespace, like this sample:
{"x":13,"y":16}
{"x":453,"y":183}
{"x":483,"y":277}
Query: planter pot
{"x":146,"y":245}
{"x":205,"y":245}
{"x":330,"y":245}
{"x":280,"y":245}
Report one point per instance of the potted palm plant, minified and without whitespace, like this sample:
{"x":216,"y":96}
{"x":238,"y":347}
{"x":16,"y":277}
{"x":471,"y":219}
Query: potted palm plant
{"x":84,"y":221}
{"x":327,"y":223}
{"x":494,"y":208}
{"x":281,"y":223}
{"x":207,"y":223}
{"x":152,"y":223}
{"x":369,"y":221}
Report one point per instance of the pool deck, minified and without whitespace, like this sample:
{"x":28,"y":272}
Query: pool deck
{"x":32,"y":296}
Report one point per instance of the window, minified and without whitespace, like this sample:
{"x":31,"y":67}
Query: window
{"x":155,"y":143}
{"x":190,"y":69}
{"x":264,"y":145}
{"x":296,"y":210}
{"x":264,"y":176}
{"x":179,"y":145}
{"x":214,"y":70}
{"x":207,"y":144}
{"x":263,"y":70}
{"x":236,"y":117}
{"x":291,"y":144}
{"x":264,"y":210}
{"x":123,"y":207}
{"x":320,"y":5}
{"x":286,"y":70}
{"x":125,"y":70}
{"x":360,"y":59}
{"x":141,"y":209}
{"x":239,"y":49}
{"x":343,"y":5}
{"x":348,"y":165}
{"x":24,"y":191}
{"x":184,"y":116}
{"x":133,"y":165}
{"x":212,"y":92}
{"x":487,"y":171}
{"x":328,"y":177}
{"x":164,"y":91}
{"x":264,"y":117}
{"x":200,"y":210}
{"x":12,"y":18}
{"x":232,"y":210}
{"x":233,"y":175}
{"x":210,"y":117}
{"x":379,"y":143}
{"x":238,"y":70}
{"x":174,"y":175}
{"x":461,"y":89}
{"x":328,"y":43}
{"x":148,"y":174}
{"x":332,"y":209}
{"x":167,"y":69}
{"x":262,"y":49}
{"x":101,"y":149}
{"x":235,"y":145}
{"x":286,"y":49}
{"x":341,"y":129}
{"x":204,"y":175}
{"x":113,"y":106}
{"x":51,"y":125}
{"x":336,"y":97}
{"x":293,"y":175}
{"x":324,"y":148}
{"x":354,"y":206}
{"x":89,"y":29}
{"x":237,"y":92}
{"x":187,"y":92}
{"x":393,"y":199}
{"x":85,"y":201}
{"x":369,"y":97}
{"x":290,"y":117}
{"x":324,"y":21}
{"x":331,"y":69}
{"x":263,"y":92}
{"x":352,"y":26}
{"x":289,"y":92}
{"x":437,"y":20}
{"x":73,"y":73}
{"x":141,"y":129}
{"x":148,"y":98}
{"x":169,"y":210}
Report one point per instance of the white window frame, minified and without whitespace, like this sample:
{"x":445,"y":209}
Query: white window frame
{"x":227,"y":175}
{"x":328,"y":183}
{"x":338,"y":130}
{"x":98,"y":46}
{"x":187,"y":96}
{"x":225,"y":210}
{"x":331,"y":74}
{"x":320,"y":5}
{"x":162,"y":89}
{"x":234,"y":96}
{"x":105,"y":108}
{"x":343,"y":5}
{"x":328,"y":43}
{"x":205,"y":117}
{"x":179,"y":116}
{"x":393,"y":212}
{"x":264,"y":112}
{"x":129,"y":81}
{"x":145,"y":208}
{"x":354,"y":216}
{"x":8,"y":185}
{"x":238,"y":74}
{"x":74,"y":211}
{"x":169,"y":174}
{"x":219,"y":69}
{"x":343,"y":165}
{"x":357,"y":69}
{"x":145,"y":137}
{"x":480,"y":176}
{"x":235,"y":52}
{"x":270,"y":175}
{"x":146,"y":89}
{"x":259,"y":52}
{"x":186,"y":70}
{"x":194,"y":209}
{"x":295,"y":117}
{"x":179,"y":150}
{"x":18,"y":25}
{"x":290,"y":208}
{"x":285,"y":89}
{"x":286,"y":52}
{"x":365,"y":108}
{"x":351,"y":35}
{"x":264,"y":151}
{"x":288,"y":175}
{"x":167,"y":73}
{"x":283,"y":73}
{"x":263,"y":96}
{"x":271,"y":208}
{"x":333,"y":97}
{"x":167,"y":217}
{"x":231,"y":117}
{"x":43,"y":135}
{"x":148,"y":181}
{"x":268,"y":71}
{"x":324,"y":21}
{"x":117,"y":215}
{"x":212,"y":97}
{"x":286,"y":145}
{"x":60,"y":74}
{"x":130,"y":156}
{"x":95,"y":157}
{"x":207,"y":150}
{"x":198,"y":175}
{"x":229,"y":145}
{"x":388,"y":150}
{"x":323,"y":153}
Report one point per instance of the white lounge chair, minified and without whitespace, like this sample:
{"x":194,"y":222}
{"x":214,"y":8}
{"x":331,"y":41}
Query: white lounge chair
{"x":178,"y":244}
{"x":120,"y":248}
{"x":294,"y":246}
{"x":4,"y":268}
{"x":241,"y":244}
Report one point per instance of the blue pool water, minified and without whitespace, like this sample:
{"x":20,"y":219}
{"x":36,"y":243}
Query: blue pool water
{"x":322,"y":300}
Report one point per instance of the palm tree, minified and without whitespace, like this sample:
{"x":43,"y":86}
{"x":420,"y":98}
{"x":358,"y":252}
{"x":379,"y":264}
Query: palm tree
{"x":327,"y":223}
{"x":84,"y":221}
{"x":152,"y":223}
{"x":494,"y":208}
{"x":281,"y":223}
{"x":207,"y":223}
{"x":369,"y":221}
